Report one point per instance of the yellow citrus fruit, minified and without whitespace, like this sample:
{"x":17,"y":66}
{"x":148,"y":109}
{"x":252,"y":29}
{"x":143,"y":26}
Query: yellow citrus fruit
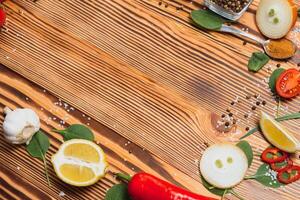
{"x":278,"y":135}
{"x":79,"y":162}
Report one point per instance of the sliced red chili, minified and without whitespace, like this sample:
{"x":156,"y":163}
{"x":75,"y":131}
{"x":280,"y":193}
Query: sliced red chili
{"x":273,"y":155}
{"x":289,"y":175}
{"x":280,"y":166}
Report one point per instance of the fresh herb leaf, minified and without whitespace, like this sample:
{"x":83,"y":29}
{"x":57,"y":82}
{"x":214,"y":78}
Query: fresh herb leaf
{"x":218,"y":191}
{"x":247,"y":149}
{"x":250,"y":132}
{"x":272,"y":80}
{"x":207,"y":19}
{"x":76,"y":131}
{"x":264,"y":176}
{"x":257,"y":61}
{"x":288,"y":117}
{"x":279,"y":119}
{"x":117,"y":192}
{"x":211,"y":188}
{"x":37,"y":147}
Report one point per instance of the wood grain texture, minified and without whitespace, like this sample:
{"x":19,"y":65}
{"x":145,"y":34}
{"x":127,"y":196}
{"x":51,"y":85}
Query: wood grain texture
{"x":22,"y":176}
{"x":141,"y":69}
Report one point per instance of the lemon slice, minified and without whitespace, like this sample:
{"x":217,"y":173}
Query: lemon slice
{"x":278,"y":135}
{"x":79,"y":162}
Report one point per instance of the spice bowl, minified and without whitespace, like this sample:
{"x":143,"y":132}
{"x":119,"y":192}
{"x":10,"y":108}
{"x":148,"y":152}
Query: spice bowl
{"x":231,"y":10}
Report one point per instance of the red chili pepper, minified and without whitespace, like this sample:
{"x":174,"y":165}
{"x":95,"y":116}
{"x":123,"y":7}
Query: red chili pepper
{"x":273,"y":155}
{"x":280,"y":166}
{"x":289,"y":175}
{"x":143,"y":186}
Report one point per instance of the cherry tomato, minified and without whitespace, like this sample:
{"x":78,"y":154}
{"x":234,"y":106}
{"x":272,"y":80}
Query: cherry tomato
{"x":2,"y":17}
{"x":273,"y":155}
{"x":280,"y":166}
{"x":289,"y":175}
{"x":288,"y":83}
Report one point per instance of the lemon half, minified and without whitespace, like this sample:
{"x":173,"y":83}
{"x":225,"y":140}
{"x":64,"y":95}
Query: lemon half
{"x":79,"y":162}
{"x":278,"y":135}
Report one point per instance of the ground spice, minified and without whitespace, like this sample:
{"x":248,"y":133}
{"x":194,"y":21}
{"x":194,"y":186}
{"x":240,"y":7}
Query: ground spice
{"x":280,"y":49}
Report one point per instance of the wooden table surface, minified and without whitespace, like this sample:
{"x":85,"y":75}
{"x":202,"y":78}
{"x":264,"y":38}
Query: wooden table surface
{"x":148,"y":83}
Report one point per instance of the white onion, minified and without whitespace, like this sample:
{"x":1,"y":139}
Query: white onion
{"x":275,"y":18}
{"x":223,"y":165}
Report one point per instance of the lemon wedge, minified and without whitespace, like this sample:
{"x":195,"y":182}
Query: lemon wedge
{"x":79,"y":162}
{"x":278,"y":135}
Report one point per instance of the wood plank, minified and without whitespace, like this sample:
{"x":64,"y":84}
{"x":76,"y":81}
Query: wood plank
{"x":143,"y":71}
{"x":22,"y":176}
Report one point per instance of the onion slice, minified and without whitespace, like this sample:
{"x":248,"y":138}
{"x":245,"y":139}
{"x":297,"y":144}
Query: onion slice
{"x":223,"y":165}
{"x":275,"y":18}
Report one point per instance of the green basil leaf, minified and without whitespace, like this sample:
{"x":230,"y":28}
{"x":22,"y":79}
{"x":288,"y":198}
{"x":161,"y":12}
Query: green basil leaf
{"x":247,"y":149}
{"x":76,"y":131}
{"x":117,"y":192}
{"x":38,"y":145}
{"x":207,"y":19}
{"x":273,"y":78}
{"x":257,"y":61}
{"x":212,"y":189}
{"x":263,"y":176}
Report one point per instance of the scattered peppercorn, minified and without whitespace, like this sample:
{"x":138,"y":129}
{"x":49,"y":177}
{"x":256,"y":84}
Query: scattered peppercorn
{"x":223,"y":115}
{"x":232,"y":5}
{"x":244,"y":43}
{"x":264,"y":103}
{"x":278,"y":65}
{"x":246,"y":116}
{"x":257,"y":103}
{"x":226,"y":123}
{"x":247,"y":128}
{"x":227,"y":110}
{"x":230,"y":114}
{"x":253,"y":108}
{"x":232,"y":103}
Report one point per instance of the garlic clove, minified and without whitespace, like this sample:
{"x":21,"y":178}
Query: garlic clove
{"x":20,"y":125}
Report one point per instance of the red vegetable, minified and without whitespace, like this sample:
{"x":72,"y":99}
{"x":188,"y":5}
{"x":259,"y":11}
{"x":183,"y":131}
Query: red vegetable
{"x":143,"y":186}
{"x":2,"y":17}
{"x":288,"y":83}
{"x":289,"y":175}
{"x":273,"y":155}
{"x":280,"y":166}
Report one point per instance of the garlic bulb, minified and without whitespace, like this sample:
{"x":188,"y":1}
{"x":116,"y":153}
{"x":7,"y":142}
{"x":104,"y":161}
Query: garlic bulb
{"x":20,"y":125}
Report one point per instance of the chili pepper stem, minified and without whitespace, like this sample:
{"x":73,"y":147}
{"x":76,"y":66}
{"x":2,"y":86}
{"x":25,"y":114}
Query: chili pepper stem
{"x":124,"y":177}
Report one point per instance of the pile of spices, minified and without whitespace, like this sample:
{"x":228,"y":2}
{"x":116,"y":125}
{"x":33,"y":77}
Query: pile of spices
{"x":280,"y":49}
{"x":232,"y":5}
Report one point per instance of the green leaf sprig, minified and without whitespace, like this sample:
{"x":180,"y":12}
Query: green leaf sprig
{"x":273,"y":78}
{"x":279,"y":119}
{"x":37,"y":147}
{"x":257,"y":61}
{"x":264,"y":176}
{"x":207,"y":19}
{"x":76,"y":131}
{"x":247,"y":149}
